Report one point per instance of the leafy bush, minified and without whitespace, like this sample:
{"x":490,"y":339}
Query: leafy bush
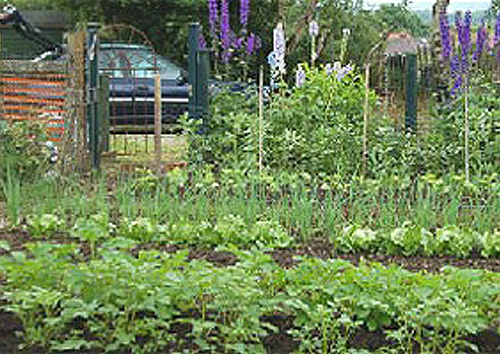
{"x":21,"y":148}
{"x":314,"y":128}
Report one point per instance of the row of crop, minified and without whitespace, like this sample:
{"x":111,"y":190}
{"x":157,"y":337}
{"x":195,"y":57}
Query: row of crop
{"x":297,"y":202}
{"x":119,"y":302}
{"x":233,"y":230}
{"x":410,"y":240}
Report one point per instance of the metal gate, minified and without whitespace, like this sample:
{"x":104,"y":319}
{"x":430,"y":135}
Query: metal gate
{"x":128,"y":66}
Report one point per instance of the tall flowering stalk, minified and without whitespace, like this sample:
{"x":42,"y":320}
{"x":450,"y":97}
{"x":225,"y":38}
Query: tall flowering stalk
{"x":481,"y":40}
{"x":225,"y":41}
{"x":496,"y":37}
{"x":459,"y":67}
{"x":225,"y":31}
{"x":244,"y":12}
{"x":253,"y":43}
{"x":313,"y":33}
{"x":445,"y":36}
{"x":213,"y":16}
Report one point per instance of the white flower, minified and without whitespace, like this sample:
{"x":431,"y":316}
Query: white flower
{"x":300,"y":76}
{"x":313,"y":28}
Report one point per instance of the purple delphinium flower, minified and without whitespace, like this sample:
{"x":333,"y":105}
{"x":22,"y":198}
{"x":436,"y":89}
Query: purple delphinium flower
{"x":481,"y":39}
{"x":213,"y":15}
{"x":202,"y":43}
{"x":496,"y":38}
{"x":244,"y":12}
{"x":464,"y":29}
{"x":238,"y":43}
{"x":456,"y":75}
{"x":225,"y":31}
{"x":251,"y":44}
{"x":467,"y":31}
{"x":445,"y":36}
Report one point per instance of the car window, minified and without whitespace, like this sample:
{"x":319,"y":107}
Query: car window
{"x":136,"y":62}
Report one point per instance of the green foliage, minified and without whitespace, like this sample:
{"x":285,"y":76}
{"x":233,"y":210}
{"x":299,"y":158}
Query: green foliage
{"x":230,"y":137}
{"x":44,"y":225}
{"x":399,"y":17}
{"x":410,"y":240}
{"x":316,"y":128}
{"x":121,"y":302}
{"x":22,"y":149}
{"x":230,"y":231}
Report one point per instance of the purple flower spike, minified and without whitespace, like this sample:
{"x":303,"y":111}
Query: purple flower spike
{"x":202,"y":43}
{"x":496,"y":38}
{"x":251,"y":44}
{"x":244,"y":12}
{"x":445,"y":36}
{"x":467,"y":30}
{"x":456,"y":75}
{"x":225,"y":31}
{"x":238,"y":43}
{"x":481,"y":39}
{"x":213,"y":15}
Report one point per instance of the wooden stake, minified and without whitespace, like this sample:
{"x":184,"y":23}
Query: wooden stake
{"x":365,"y":116}
{"x":466,"y":132}
{"x":261,"y":116}
{"x":158,"y":120}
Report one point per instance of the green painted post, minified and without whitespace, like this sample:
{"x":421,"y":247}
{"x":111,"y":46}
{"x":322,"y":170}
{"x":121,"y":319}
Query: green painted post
{"x":411,"y":93}
{"x":104,"y":111}
{"x":202,"y":76}
{"x":193,"y":36}
{"x":92,"y":67}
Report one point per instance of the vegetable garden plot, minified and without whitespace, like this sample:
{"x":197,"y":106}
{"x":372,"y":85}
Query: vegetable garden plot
{"x":119,"y":302}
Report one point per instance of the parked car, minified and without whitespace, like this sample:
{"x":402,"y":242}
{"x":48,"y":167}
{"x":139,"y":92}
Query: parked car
{"x":131,"y":69}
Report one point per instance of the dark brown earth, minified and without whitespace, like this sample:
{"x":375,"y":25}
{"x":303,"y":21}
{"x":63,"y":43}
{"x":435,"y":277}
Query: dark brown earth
{"x":433,"y":264}
{"x":275,"y":343}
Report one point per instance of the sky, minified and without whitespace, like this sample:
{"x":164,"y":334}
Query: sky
{"x":427,"y":4}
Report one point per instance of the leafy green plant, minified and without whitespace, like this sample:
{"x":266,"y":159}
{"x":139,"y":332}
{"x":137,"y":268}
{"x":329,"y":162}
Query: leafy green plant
{"x":22,"y":150}
{"x":44,"y":225}
{"x":92,"y":230}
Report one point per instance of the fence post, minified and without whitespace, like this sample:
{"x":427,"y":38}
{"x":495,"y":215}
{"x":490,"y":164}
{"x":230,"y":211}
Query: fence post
{"x":199,"y":72}
{"x":193,"y":36}
{"x":92,"y":68}
{"x":202,"y":75}
{"x":411,"y":93}
{"x":158,"y":116}
{"x":104,"y":111}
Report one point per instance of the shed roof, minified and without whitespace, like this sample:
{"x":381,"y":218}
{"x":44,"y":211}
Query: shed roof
{"x":401,"y":43}
{"x":46,"y":19}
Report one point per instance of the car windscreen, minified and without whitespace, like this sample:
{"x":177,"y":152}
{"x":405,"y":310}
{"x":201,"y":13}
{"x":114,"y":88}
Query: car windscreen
{"x":136,"y":62}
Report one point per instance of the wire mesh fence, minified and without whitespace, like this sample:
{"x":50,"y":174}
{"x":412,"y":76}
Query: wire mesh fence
{"x":49,"y":92}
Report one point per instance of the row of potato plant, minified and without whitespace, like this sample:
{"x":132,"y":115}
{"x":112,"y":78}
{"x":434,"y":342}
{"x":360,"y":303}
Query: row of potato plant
{"x":120,"y":302}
